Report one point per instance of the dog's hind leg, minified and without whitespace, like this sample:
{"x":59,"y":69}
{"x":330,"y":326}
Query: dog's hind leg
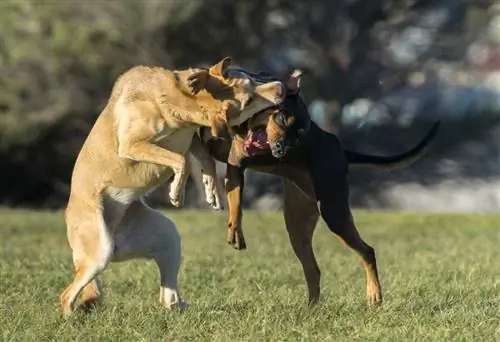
{"x":351,"y":237}
{"x":333,"y":200}
{"x":146,"y":233}
{"x":331,"y":186}
{"x":92,"y":248}
{"x":345,"y":228}
{"x":301,"y":215}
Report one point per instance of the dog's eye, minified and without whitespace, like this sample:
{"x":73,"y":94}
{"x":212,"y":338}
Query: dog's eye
{"x":281,"y":119}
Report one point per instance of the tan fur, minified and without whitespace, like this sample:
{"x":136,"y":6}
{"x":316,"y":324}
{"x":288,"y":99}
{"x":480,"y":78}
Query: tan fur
{"x":137,"y":143}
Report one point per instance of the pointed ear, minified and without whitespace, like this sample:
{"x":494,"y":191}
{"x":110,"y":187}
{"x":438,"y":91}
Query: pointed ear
{"x":293,"y":82}
{"x":249,"y":86}
{"x":244,"y":101}
{"x":219,"y":68}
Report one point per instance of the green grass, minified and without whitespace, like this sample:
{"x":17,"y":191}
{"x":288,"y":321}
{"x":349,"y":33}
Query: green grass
{"x":440,"y":275}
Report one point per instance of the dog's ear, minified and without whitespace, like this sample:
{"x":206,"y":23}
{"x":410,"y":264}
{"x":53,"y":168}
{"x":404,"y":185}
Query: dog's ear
{"x":219,"y":68}
{"x":245,"y":100}
{"x":293,"y":82}
{"x":272,"y":91}
{"x":261,"y":97}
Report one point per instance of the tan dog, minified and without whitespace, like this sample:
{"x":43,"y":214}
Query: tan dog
{"x":137,"y":143}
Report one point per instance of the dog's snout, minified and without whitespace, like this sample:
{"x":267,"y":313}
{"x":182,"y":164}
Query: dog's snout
{"x":279,"y":148}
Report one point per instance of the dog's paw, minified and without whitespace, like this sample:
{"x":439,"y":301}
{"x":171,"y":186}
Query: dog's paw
{"x":235,"y":237}
{"x":214,"y":202}
{"x":374,"y":296}
{"x":177,"y":200}
{"x":216,"y":205}
{"x":211,"y":194}
{"x":178,"y":306}
{"x":197,"y":81}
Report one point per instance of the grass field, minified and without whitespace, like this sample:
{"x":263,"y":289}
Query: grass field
{"x":440,"y":275}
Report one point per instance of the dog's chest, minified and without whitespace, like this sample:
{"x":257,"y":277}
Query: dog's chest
{"x":137,"y":180}
{"x":125,"y":196}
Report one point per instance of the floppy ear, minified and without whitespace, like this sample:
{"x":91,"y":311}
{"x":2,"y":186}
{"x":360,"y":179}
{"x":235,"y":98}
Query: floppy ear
{"x":272,"y":91}
{"x":293,"y":82}
{"x":219,"y":68}
{"x":265,"y":96}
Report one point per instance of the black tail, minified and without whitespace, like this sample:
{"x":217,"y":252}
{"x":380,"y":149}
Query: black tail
{"x":359,"y":160}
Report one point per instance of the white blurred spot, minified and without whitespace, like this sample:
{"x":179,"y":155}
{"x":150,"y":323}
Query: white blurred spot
{"x":317,"y":111}
{"x":478,"y":53}
{"x":494,"y":29}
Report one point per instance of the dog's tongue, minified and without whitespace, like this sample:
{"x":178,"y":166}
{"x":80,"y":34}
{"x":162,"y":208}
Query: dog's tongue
{"x":256,"y":142}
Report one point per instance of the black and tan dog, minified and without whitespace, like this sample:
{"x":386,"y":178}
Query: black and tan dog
{"x":315,"y":180}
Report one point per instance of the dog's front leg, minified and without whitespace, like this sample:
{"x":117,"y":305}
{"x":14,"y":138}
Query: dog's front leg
{"x":178,"y":186}
{"x":144,"y":151}
{"x":211,"y":184}
{"x":234,"y":187}
{"x":139,"y":125}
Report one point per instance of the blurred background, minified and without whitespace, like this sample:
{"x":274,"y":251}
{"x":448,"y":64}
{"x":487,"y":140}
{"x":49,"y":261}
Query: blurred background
{"x":377,"y":72}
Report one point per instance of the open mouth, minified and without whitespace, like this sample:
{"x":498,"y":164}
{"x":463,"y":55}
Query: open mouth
{"x":256,"y":142}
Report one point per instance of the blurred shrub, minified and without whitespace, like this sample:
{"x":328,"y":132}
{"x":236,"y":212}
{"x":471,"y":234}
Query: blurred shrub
{"x":59,"y":59}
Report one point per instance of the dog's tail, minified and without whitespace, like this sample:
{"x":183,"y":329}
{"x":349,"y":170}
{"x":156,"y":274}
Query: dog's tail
{"x":363,"y":161}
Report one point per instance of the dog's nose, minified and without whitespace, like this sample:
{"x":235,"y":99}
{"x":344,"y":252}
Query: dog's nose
{"x":279,"y":149}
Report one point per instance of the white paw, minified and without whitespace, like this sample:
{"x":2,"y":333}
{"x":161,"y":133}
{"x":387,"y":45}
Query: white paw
{"x":175,"y":202}
{"x":217,"y":206}
{"x":211,"y":195}
{"x":214,"y":201}
{"x":176,"y":199}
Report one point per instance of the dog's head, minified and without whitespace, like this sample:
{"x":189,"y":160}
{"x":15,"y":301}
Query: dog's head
{"x":243,"y":96}
{"x":281,"y":127}
{"x":270,"y":112}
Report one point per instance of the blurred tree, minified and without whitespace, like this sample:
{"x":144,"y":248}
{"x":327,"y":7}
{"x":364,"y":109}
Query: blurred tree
{"x":58,"y":61}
